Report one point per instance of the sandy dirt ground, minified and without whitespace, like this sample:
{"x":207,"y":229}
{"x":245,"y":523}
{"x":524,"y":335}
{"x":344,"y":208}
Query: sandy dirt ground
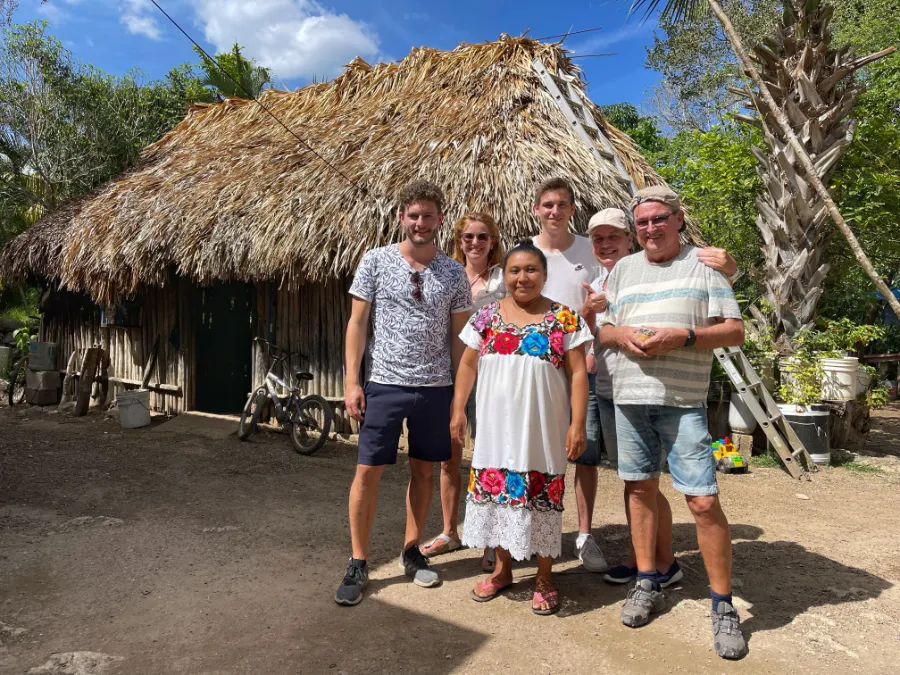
{"x":165,"y":551}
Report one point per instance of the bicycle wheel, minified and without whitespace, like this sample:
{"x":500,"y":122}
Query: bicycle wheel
{"x":250,"y":415}
{"x":310,"y":424}
{"x":16,"y":387}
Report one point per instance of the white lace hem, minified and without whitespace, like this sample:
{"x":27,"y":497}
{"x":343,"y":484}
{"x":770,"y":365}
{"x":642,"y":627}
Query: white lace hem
{"x":522,"y":532}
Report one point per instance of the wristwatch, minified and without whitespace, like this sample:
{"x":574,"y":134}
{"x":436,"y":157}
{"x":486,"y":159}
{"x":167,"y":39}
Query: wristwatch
{"x":691,"y":338}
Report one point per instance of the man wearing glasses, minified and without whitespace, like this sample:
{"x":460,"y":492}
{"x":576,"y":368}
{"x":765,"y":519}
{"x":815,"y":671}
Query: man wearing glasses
{"x":666,"y":312}
{"x":419,"y":300}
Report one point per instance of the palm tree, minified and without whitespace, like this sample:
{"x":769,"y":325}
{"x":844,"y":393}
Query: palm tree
{"x":232,"y":75}
{"x":798,"y":79}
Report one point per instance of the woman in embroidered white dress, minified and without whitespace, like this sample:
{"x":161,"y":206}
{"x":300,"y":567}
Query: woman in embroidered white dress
{"x":528,"y":353}
{"x":476,"y":245}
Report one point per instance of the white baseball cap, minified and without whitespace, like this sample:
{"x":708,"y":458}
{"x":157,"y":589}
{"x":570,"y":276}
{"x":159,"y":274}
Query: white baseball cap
{"x":612,"y":217}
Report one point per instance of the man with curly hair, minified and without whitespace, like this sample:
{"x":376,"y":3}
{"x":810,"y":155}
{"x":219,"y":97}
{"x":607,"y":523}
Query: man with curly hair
{"x":419,"y":301}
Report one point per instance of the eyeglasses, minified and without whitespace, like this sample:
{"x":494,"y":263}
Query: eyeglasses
{"x":469,"y":237}
{"x":416,"y":280}
{"x":656,"y":221}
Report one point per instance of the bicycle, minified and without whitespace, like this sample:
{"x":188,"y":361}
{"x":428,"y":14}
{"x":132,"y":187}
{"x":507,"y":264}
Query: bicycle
{"x":307,"y":418}
{"x":15,"y":387}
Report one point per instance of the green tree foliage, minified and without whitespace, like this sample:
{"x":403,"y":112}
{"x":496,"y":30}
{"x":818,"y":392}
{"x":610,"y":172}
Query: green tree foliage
{"x":241,"y":78}
{"x":66,"y":127}
{"x":867,"y":184}
{"x":698,"y":63}
{"x":641,"y":128}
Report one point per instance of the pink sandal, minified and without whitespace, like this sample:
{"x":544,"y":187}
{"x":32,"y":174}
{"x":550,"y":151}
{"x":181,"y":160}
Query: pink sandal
{"x":551,"y":598}
{"x":488,"y":585}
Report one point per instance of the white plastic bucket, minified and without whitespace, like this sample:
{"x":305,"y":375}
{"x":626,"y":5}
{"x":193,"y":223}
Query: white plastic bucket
{"x":839,"y":380}
{"x":134,"y":408}
{"x":740,"y":419}
{"x":863,"y":380}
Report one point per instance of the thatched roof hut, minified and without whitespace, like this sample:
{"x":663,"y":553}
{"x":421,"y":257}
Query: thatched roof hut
{"x":230,"y":228}
{"x":229,"y":194}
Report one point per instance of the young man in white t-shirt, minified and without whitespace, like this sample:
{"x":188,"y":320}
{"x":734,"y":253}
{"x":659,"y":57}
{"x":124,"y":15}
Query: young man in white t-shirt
{"x":571,"y":267}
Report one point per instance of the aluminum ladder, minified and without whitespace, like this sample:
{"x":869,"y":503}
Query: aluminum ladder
{"x":578,"y":110}
{"x":767,"y":413}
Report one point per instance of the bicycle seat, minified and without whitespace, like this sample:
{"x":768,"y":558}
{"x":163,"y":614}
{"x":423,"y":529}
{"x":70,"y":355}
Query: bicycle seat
{"x":301,"y":375}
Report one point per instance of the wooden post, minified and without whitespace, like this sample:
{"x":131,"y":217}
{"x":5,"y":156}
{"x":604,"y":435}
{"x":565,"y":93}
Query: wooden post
{"x":151,"y":363}
{"x":88,"y":370}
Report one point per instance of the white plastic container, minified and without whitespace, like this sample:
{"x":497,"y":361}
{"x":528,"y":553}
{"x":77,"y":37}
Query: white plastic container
{"x":134,"y":408}
{"x":863,"y":380}
{"x":840,"y":376}
{"x":740,"y":419}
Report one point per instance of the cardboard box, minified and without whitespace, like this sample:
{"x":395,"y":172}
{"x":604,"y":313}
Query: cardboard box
{"x":41,"y":396}
{"x":43,"y":356}
{"x":42,"y":379}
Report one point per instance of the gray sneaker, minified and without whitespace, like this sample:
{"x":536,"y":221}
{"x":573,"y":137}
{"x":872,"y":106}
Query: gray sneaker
{"x":591,"y":556}
{"x":416,"y":566}
{"x":642,"y":601}
{"x":355,"y":580}
{"x":727,"y":637}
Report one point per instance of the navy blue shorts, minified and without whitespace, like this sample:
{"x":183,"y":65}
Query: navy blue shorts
{"x":427,"y":414}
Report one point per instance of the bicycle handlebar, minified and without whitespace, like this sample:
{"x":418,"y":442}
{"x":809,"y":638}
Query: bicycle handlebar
{"x":274,"y":350}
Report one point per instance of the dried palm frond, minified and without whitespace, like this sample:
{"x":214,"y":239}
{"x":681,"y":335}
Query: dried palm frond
{"x":228,"y":194}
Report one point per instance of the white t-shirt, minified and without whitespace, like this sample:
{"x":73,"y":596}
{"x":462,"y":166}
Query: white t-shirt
{"x":566,"y":270}
{"x":606,"y":358}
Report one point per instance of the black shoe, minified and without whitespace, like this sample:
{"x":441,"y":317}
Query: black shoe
{"x":356,"y":578}
{"x":416,"y":566}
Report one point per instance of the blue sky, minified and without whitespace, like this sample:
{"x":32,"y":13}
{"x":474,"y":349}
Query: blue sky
{"x":299,"y":39}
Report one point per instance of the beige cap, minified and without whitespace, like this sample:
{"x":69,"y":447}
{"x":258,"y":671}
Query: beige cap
{"x":657,"y":193}
{"x":612,"y":217}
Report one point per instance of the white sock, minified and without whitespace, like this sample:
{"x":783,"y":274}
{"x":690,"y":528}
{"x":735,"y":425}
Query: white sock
{"x":582,"y":537}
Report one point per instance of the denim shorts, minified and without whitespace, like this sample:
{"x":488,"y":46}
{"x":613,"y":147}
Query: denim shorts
{"x":607,"y":412}
{"x":591,"y":454}
{"x":427,"y":414}
{"x":644,"y":431}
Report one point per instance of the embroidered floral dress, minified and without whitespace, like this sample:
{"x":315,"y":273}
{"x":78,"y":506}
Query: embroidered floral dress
{"x":517,"y":481}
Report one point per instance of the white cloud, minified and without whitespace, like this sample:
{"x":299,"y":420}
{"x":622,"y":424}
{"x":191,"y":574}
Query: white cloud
{"x":295,"y":38}
{"x":138,"y":17}
{"x":52,"y":12}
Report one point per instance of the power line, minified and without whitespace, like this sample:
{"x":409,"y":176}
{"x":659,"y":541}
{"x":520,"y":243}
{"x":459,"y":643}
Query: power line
{"x":584,"y":56}
{"x":250,"y":96}
{"x":576,"y":32}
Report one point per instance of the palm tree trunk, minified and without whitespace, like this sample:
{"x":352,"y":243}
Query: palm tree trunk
{"x":802,"y":155}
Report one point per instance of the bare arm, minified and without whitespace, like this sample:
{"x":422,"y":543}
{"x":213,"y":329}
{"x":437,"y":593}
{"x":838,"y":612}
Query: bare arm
{"x":357,"y":331}
{"x":457,"y":323}
{"x":465,"y":380}
{"x":576,"y":372}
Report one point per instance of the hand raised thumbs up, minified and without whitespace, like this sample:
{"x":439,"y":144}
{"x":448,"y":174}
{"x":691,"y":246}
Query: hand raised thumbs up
{"x":595,"y":301}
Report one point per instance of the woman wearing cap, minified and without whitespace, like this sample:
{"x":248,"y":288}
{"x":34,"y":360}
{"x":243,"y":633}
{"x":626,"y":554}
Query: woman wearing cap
{"x":476,"y":245}
{"x":612,"y":240}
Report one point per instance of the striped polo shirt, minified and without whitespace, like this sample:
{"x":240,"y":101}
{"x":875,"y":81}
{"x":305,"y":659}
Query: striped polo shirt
{"x":679,"y":293}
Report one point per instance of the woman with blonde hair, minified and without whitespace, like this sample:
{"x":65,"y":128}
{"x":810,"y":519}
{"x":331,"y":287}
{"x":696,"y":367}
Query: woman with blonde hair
{"x":476,"y":245}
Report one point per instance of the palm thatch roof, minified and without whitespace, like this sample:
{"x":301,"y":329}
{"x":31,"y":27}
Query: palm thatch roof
{"x":228,"y":194}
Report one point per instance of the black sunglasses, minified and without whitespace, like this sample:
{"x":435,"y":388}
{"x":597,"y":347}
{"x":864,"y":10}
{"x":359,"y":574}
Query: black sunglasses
{"x":471,"y":236}
{"x":416,"y":279}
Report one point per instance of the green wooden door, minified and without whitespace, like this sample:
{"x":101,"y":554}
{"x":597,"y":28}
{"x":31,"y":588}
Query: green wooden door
{"x":224,"y":341}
